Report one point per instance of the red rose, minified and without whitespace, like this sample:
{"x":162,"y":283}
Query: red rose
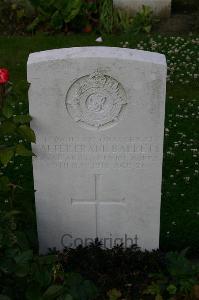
{"x":4,"y":76}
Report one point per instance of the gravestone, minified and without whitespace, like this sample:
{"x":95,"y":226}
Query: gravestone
{"x":98,"y":115}
{"x":160,"y":8}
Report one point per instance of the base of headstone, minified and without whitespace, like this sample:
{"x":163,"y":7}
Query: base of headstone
{"x":160,"y":8}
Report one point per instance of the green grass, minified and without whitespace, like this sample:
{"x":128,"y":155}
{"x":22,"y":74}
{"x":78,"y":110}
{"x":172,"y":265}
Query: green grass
{"x":180,"y":200}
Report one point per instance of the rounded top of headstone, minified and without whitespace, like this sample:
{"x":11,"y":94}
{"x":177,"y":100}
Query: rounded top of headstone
{"x":96,"y":51}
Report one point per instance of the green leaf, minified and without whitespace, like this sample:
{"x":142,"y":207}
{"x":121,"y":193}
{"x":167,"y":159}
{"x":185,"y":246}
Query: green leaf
{"x":12,"y":252}
{"x":47,"y":259}
{"x":4,"y":184}
{"x":22,"y":119}
{"x":147,"y":29}
{"x":68,"y":297}
{"x":153,"y":289}
{"x":7,"y":111}
{"x":35,"y":2}
{"x":6,"y":154}
{"x":8,"y":92}
{"x":71,"y":10}
{"x":34,"y":24}
{"x":23,"y":151}
{"x":183,"y":253}
{"x":22,"y":270}
{"x":53,"y":292}
{"x":7,"y":265}
{"x":11,"y":213}
{"x":172,"y":289}
{"x":7,"y":128}
{"x":158,"y":297}
{"x":27,"y":133}
{"x":41,"y":274}
{"x":33,"y":292}
{"x":114,"y":294}
{"x":24,"y":257}
{"x":57,"y":20}
{"x":90,"y":290}
{"x":22,"y":240}
{"x":79,"y":288}
{"x":4,"y":297}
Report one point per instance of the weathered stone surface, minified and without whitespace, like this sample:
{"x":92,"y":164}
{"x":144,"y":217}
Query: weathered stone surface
{"x":98,"y":114}
{"x":161,"y":8}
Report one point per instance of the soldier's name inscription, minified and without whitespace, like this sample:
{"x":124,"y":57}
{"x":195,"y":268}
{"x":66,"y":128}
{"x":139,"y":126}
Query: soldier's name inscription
{"x":98,"y":152}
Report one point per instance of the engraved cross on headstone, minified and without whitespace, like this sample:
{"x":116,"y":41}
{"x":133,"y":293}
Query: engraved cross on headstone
{"x":97,"y":201}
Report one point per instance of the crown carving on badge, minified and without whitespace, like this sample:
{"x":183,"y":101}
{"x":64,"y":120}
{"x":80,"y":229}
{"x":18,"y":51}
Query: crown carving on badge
{"x":97,"y":79}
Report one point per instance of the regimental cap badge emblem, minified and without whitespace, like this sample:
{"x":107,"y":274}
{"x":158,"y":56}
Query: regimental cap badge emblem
{"x":96,"y":101}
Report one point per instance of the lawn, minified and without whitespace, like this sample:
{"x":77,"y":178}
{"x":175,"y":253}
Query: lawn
{"x":180,"y":200}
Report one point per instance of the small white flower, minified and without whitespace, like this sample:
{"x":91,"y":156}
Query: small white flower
{"x":99,"y":39}
{"x":187,"y":179}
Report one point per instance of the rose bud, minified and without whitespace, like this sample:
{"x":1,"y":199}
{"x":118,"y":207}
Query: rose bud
{"x":4,"y":76}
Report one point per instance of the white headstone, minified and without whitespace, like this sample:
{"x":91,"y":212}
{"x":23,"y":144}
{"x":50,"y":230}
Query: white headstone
{"x":98,"y":115}
{"x":161,"y":8}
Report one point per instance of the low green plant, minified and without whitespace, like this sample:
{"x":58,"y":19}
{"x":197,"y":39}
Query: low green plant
{"x":30,"y":16}
{"x":184,"y":273}
{"x":25,"y":275}
{"x":15,"y":126}
{"x":106,"y":16}
{"x":178,"y":278}
{"x":114,"y":294}
{"x":54,"y":14}
{"x":15,"y":15}
{"x":87,"y":19}
{"x":122,"y":20}
{"x":143,"y":21}
{"x":21,"y":9}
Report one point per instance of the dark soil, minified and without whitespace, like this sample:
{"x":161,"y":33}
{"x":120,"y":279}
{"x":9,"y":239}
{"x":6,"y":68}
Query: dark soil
{"x":179,"y":23}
